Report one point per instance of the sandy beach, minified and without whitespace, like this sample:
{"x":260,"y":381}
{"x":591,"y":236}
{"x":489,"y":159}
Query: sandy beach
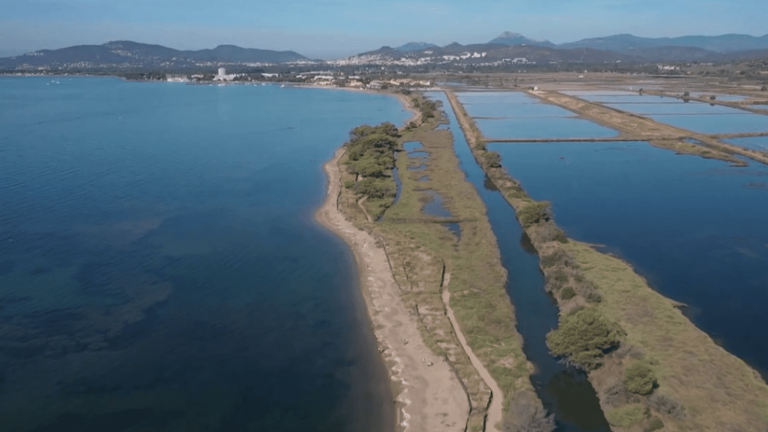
{"x":429,"y":395}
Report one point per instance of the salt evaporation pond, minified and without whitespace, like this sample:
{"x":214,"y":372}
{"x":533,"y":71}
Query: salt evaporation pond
{"x":695,"y":116}
{"x":516,"y":115}
{"x":160,"y":267}
{"x":695,"y":228}
{"x":755,"y":143}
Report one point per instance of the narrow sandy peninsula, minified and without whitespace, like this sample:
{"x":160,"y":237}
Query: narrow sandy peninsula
{"x":430,"y":396}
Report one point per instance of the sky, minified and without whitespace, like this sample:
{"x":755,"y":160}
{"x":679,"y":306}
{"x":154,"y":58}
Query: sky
{"x":340,"y":28}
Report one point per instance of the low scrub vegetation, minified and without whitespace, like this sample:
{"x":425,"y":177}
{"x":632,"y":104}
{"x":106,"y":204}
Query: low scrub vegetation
{"x":535,"y":212}
{"x":427,"y":107}
{"x":654,"y":425}
{"x":639,"y":378}
{"x":626,"y":416}
{"x":527,"y":414}
{"x":492,"y":159}
{"x":666,"y":405}
{"x":584,"y":337}
{"x":567,"y":293}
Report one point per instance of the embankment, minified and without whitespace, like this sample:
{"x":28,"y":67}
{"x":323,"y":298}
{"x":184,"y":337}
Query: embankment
{"x":698,"y":386}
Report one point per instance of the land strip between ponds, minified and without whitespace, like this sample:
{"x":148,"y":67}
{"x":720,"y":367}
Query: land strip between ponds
{"x":495,"y":406}
{"x":420,"y":254}
{"x":700,"y":386}
{"x":638,"y":128}
{"x":429,"y":395}
{"x":573,"y":140}
{"x":740,"y":105}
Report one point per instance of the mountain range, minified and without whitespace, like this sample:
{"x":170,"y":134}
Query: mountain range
{"x":508,"y":46}
{"x":622,"y":47}
{"x":134,"y":55}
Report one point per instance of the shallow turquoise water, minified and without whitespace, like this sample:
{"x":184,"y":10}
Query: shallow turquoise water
{"x":160,"y":268}
{"x":695,"y":228}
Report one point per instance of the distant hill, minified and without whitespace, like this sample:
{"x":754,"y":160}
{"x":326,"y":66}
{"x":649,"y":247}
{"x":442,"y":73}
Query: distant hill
{"x":415,"y":46}
{"x":134,"y":55}
{"x":509,"y":38}
{"x":486,"y":54}
{"x":623,"y":47}
{"x":719,"y":44}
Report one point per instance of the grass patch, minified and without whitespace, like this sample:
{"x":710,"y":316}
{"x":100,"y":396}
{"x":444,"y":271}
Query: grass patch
{"x":626,"y":416}
{"x":703,"y":387}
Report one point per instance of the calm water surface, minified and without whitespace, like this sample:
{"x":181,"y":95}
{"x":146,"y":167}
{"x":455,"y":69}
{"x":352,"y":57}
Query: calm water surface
{"x":755,"y":143}
{"x":517,"y":115}
{"x":566,"y":392}
{"x":695,"y":228}
{"x":160,"y":268}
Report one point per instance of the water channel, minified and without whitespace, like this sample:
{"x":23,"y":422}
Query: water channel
{"x":565,"y":391}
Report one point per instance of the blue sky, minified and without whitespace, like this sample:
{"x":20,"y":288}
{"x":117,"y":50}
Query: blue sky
{"x":338,"y":28}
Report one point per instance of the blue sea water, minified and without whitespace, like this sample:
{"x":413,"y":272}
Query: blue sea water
{"x":695,"y":228}
{"x":160,"y":268}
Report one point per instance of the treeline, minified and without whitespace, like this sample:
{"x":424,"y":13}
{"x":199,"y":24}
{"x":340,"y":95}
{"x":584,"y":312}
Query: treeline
{"x":370,"y":154}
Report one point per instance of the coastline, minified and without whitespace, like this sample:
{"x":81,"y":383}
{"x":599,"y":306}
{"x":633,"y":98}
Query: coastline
{"x":429,"y":396}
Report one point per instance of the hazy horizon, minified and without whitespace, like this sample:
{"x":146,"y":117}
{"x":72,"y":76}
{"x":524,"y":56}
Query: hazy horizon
{"x":334,"y":29}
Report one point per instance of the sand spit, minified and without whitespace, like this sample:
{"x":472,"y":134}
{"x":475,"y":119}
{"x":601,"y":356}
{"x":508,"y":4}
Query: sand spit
{"x":428,"y":393}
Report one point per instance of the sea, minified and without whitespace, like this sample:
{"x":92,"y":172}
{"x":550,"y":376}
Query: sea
{"x":160,"y":267}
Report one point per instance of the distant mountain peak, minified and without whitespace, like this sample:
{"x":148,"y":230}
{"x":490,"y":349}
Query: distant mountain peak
{"x":512,"y":38}
{"x":416,"y":46}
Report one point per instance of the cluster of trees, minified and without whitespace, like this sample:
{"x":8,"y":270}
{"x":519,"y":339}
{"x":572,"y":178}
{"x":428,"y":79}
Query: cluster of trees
{"x":425,"y":106}
{"x":584,"y":337}
{"x":371,"y":149}
{"x":371,"y":153}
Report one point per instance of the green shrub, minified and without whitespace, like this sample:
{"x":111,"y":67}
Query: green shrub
{"x":492,"y":159}
{"x":567,"y":293}
{"x":625,"y":416}
{"x":583,"y":336}
{"x":654,"y":425}
{"x":639,"y":378}
{"x":535,"y":212}
{"x":349,"y":184}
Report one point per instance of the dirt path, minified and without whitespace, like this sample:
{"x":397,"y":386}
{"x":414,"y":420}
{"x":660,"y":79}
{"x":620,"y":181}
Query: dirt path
{"x":495,"y":410}
{"x":429,"y":395}
{"x":362,"y":207}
